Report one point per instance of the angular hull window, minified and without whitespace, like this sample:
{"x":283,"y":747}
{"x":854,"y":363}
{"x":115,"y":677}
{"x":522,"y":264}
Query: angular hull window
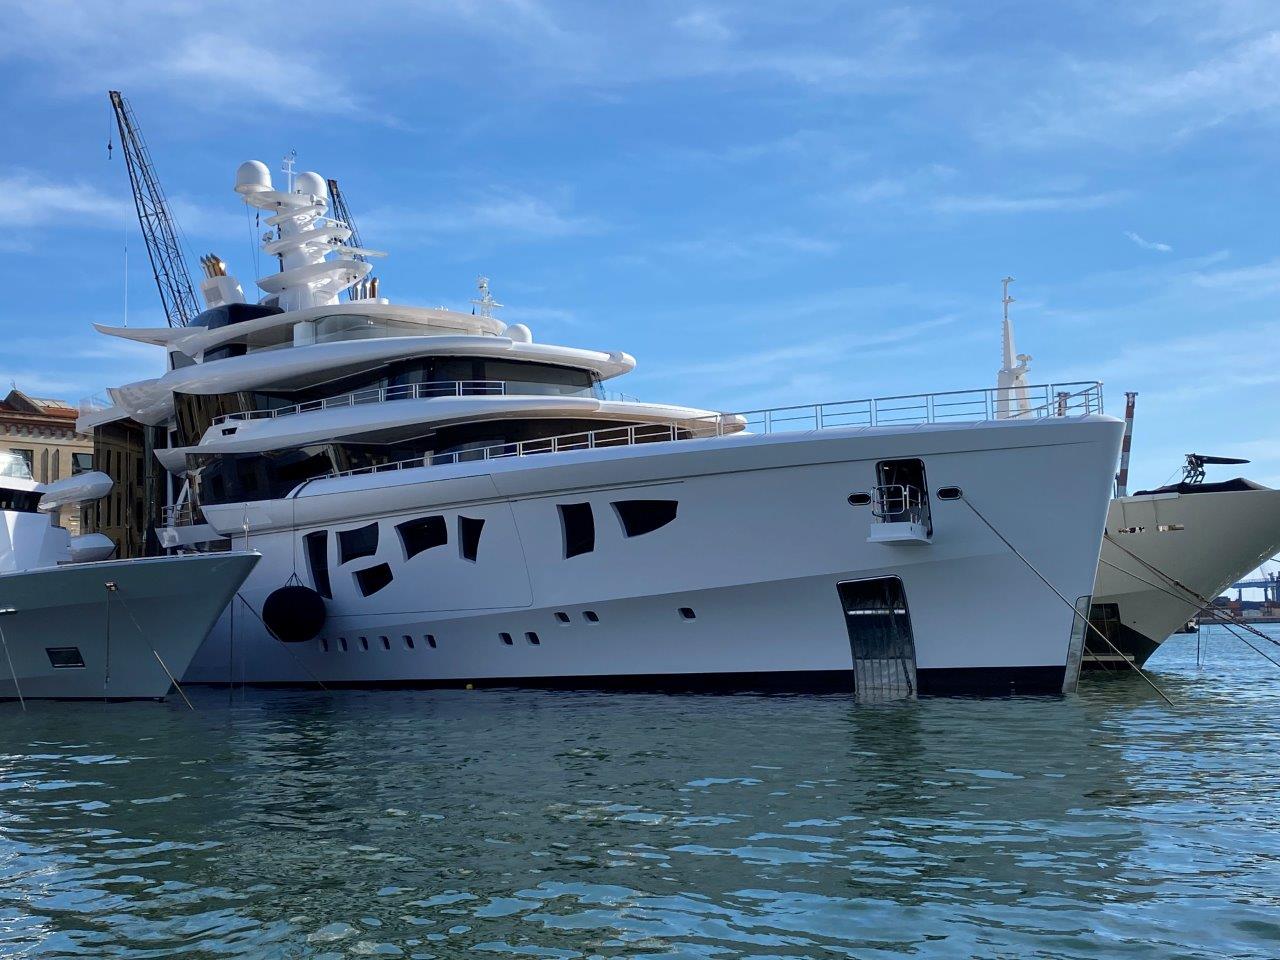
{"x":360,"y":542}
{"x":639,"y":517}
{"x":317,"y":545}
{"x":578,"y":525}
{"x":469,"y":537}
{"x":422,"y":534}
{"x":373,"y":579}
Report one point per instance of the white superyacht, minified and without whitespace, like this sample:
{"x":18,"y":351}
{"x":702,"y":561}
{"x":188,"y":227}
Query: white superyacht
{"x":77,"y":625}
{"x":441,"y":500}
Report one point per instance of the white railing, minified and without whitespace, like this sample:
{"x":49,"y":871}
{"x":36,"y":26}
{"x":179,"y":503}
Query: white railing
{"x":895,"y":502}
{"x":956,"y":406}
{"x":179,"y":515}
{"x":405,"y":391}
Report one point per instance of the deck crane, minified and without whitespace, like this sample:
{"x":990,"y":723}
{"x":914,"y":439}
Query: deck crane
{"x":338,"y":203}
{"x":168,"y":264}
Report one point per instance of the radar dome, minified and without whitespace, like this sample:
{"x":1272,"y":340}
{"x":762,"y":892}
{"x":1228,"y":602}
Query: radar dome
{"x":311,"y":183}
{"x":252,"y":176}
{"x":519,"y":333}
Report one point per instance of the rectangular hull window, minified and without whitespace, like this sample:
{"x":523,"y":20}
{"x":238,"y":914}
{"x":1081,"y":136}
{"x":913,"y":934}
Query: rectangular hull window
{"x":579,"y":527}
{"x":880,"y":639}
{"x":64,"y":657}
{"x":372,"y":580}
{"x":317,"y":545}
{"x":469,"y":537}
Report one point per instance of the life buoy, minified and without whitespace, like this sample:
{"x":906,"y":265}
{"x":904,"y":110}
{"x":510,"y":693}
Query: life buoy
{"x":294,"y":613}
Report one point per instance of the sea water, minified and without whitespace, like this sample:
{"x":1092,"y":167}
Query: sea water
{"x":549,"y":824}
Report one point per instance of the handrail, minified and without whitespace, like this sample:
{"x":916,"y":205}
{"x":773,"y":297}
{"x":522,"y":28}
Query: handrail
{"x":958,"y":406}
{"x":404,"y":391}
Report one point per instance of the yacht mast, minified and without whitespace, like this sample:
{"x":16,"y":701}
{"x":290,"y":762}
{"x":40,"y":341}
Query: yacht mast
{"x":1011,"y":381}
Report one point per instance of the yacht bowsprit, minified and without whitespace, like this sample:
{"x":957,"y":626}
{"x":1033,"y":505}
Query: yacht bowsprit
{"x":448,"y":501}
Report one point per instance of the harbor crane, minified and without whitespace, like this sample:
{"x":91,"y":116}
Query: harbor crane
{"x":338,"y":203}
{"x":168,"y":263}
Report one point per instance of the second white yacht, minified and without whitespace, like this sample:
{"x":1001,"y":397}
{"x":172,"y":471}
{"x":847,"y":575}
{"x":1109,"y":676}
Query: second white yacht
{"x":439,"y":499}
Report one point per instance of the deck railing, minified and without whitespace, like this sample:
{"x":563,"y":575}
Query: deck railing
{"x":956,"y":406}
{"x":404,"y":391}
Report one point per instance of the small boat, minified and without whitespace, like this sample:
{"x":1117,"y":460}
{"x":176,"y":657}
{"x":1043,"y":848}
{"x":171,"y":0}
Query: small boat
{"x":77,"y":625}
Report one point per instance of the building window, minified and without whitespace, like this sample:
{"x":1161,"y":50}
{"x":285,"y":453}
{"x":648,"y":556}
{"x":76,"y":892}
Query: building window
{"x":579,"y":527}
{"x":317,"y":547}
{"x":469,"y":537}
{"x":81,"y":462}
{"x":373,"y":579}
{"x":28,"y":457}
{"x":422,"y":534}
{"x":644,"y":516}
{"x":360,"y":542}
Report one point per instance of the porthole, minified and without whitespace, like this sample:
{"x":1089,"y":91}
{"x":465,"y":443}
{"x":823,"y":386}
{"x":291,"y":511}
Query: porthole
{"x":342,"y":642}
{"x":532,"y":638}
{"x":949,"y":493}
{"x":408,"y":642}
{"x":386,"y":642}
{"x":364,"y":643}
{"x":431,"y":640}
{"x":324,"y":645}
{"x":506,"y":639}
{"x":687,"y":613}
{"x":590,"y":616}
{"x":859,"y":499}
{"x":562,"y":617}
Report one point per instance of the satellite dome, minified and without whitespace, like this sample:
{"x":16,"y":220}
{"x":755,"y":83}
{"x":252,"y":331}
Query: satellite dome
{"x":252,"y":176}
{"x":519,"y":333}
{"x":311,"y":183}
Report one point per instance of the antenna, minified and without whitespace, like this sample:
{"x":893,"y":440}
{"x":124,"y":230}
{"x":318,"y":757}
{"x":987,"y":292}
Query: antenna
{"x":485,"y":301}
{"x":1011,"y":381}
{"x":286,"y":167}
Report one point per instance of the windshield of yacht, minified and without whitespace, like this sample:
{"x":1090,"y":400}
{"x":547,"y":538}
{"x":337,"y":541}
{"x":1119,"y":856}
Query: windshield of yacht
{"x":14,"y":465}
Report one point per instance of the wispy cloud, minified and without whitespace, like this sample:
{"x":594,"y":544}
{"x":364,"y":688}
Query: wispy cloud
{"x":29,"y":200}
{"x":752,"y":246}
{"x":1148,"y":244}
{"x":499,"y":214}
{"x":1042,"y":203}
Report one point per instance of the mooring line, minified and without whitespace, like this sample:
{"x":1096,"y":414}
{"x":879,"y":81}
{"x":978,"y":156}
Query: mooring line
{"x":273,"y":636}
{"x":1206,"y":605}
{"x":1088,"y":624}
{"x":12,"y":672}
{"x":164,"y":666}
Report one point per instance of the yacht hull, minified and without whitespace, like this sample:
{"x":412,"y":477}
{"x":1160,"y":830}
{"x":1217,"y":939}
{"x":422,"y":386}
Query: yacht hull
{"x":110,"y":642}
{"x":1205,"y":541}
{"x":740,"y":590}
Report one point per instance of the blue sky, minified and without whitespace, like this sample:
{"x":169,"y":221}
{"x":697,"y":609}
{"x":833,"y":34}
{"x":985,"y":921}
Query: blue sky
{"x":765,"y":203}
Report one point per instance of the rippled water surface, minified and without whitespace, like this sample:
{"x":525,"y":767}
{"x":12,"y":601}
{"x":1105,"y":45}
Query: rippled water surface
{"x":439,"y":824}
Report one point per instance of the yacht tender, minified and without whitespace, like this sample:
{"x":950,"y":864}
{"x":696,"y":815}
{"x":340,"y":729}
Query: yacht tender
{"x":439,"y":499}
{"x":76,"y":625}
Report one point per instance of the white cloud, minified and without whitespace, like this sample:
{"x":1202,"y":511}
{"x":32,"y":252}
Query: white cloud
{"x":704,"y":24}
{"x":1043,"y":203}
{"x":1148,"y":244}
{"x":28,"y":200}
{"x":497,"y":215}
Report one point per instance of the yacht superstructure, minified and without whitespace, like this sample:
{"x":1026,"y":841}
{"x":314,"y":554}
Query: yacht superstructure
{"x":439,"y":499}
{"x":75,"y":624}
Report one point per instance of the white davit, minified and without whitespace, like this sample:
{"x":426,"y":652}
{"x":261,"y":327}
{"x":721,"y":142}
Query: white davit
{"x":74,"y":625}
{"x":442,"y":499}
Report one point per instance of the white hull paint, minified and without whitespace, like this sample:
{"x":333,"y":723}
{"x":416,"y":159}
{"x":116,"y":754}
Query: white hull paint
{"x":763,"y":534}
{"x":161,"y":609}
{"x":1206,"y":541}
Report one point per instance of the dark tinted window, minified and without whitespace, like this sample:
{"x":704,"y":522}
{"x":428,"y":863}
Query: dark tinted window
{"x":422,"y":534}
{"x":373,"y":579}
{"x":579,"y":526}
{"x":317,"y":546}
{"x":64,"y":656}
{"x":469,"y":536}
{"x":644,"y":516}
{"x":360,"y":542}
{"x":228,"y":478}
{"x":20,"y":501}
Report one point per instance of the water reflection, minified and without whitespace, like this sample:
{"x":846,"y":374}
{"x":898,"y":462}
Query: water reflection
{"x":577,"y":824}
